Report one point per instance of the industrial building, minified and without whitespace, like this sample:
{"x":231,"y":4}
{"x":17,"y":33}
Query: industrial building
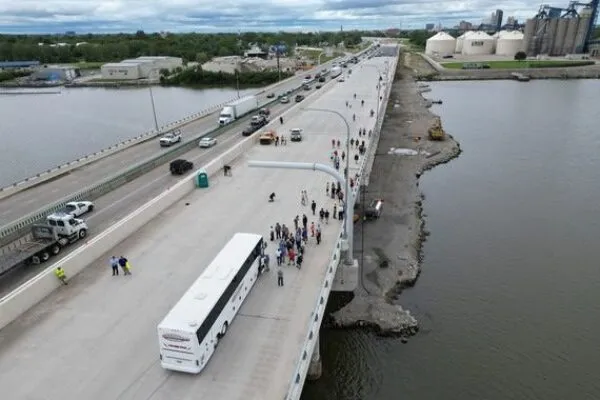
{"x":557,"y":31}
{"x":440,"y":44}
{"x":53,"y":73}
{"x":460,"y":41}
{"x":139,"y":68}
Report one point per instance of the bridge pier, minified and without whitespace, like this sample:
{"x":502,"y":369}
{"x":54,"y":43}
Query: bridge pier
{"x":315,"y":369}
{"x":346,"y":276}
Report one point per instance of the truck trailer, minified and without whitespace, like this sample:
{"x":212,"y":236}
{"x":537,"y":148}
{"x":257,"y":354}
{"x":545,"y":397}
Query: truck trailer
{"x":335,"y":72}
{"x":237,"y":109}
{"x":60,"y":230}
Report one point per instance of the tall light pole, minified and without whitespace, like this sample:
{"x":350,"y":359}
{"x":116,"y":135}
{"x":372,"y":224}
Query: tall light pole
{"x":237,"y":82}
{"x":346,"y":176}
{"x":153,"y":109}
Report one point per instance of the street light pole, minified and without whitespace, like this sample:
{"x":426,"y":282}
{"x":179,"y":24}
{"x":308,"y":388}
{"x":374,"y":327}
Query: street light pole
{"x":153,"y":109}
{"x":348,"y":225}
{"x":237,"y":82}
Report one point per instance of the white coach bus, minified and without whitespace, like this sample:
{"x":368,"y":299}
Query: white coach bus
{"x":190,"y":332}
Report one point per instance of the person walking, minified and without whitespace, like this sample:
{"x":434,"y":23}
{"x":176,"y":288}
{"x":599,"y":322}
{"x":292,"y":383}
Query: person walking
{"x":321,"y":214}
{"x":277,"y":231}
{"x":296,"y":222}
{"x":327,"y":189}
{"x":334,"y":210}
{"x":313,"y":206}
{"x":327,"y":216}
{"x":278,"y":254}
{"x":304,"y":221}
{"x":60,"y":274}
{"x":291,"y":256}
{"x":312,"y":229}
{"x":319,"y":236}
{"x":281,"y":120}
{"x":114,"y":263}
{"x":279,"y":277}
{"x":299,"y":261}
{"x":272,"y":234}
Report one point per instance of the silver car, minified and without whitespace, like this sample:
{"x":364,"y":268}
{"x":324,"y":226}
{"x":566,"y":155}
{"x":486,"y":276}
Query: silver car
{"x":207,"y":142}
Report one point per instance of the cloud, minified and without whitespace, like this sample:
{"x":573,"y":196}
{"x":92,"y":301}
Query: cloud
{"x":82,"y":16}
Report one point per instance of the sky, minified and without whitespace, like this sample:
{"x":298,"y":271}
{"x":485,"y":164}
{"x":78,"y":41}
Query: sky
{"x":95,"y":16}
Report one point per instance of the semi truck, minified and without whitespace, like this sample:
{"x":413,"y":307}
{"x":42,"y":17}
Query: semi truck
{"x":47,"y":240}
{"x":237,"y":109}
{"x":335,"y":71}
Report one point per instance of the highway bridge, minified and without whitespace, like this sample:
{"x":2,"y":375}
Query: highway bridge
{"x":96,"y":338}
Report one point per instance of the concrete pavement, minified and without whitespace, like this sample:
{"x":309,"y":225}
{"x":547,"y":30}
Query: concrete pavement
{"x":96,"y":338}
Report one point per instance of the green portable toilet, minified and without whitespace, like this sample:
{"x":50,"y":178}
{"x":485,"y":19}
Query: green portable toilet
{"x":202,"y":179}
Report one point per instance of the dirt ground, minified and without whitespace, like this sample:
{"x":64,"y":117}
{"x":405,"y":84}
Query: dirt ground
{"x":389,"y":248}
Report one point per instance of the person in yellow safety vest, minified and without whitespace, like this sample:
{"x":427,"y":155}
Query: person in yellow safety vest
{"x":60,"y":274}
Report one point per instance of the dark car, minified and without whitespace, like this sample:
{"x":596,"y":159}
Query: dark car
{"x":270,"y":95}
{"x":318,"y":87}
{"x":299,"y":98}
{"x":180,"y":167}
{"x":322,"y":79}
{"x":249,"y":130}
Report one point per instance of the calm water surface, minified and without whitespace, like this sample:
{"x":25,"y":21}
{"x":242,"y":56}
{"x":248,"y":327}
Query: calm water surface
{"x":39,"y":132}
{"x":509,"y":294}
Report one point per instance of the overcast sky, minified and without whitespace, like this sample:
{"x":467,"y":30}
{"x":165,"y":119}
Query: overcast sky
{"x":82,"y":16}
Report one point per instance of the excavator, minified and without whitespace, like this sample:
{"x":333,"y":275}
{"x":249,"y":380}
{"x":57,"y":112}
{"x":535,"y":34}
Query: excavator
{"x":436,"y":132}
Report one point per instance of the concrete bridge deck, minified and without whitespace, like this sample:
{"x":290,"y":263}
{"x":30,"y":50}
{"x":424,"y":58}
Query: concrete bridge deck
{"x":96,"y":338}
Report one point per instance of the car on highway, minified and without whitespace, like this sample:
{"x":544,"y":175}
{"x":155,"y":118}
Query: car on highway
{"x":296,"y":135}
{"x":77,"y":208}
{"x":259,"y":121}
{"x":341,"y":79}
{"x":170,"y":138}
{"x":306,"y":80}
{"x":270,"y":95}
{"x":306,"y":87}
{"x":322,"y":79}
{"x":249,"y":130}
{"x":299,"y":98}
{"x":180,"y":167}
{"x":318,"y":87}
{"x":285,"y":100}
{"x":207,"y":142}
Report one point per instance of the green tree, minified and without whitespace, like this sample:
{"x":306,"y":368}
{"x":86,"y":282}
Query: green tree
{"x":520,"y":56}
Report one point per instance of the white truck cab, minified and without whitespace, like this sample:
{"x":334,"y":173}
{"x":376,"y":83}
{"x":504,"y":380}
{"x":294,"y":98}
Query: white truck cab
{"x":170,"y":138}
{"x":65,"y":225}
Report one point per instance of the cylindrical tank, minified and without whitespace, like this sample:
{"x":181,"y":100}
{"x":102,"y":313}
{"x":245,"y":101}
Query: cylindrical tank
{"x":569,"y":46}
{"x":509,"y":43}
{"x":559,"y":41}
{"x":582,"y":29}
{"x":549,"y":34}
{"x":479,"y":43}
{"x":441,"y":43}
{"x":529,"y":38}
{"x":460,"y":41}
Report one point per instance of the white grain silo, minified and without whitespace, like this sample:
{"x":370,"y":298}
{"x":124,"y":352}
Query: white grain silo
{"x":479,"y":43}
{"x":509,"y":43}
{"x":440,"y":44}
{"x":460,"y":41}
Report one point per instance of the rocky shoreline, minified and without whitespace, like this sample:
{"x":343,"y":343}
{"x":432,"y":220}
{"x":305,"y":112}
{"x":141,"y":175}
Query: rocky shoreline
{"x":389,"y":249}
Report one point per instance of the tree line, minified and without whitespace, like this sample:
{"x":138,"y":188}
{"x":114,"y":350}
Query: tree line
{"x":189,"y":46}
{"x":198,"y":77}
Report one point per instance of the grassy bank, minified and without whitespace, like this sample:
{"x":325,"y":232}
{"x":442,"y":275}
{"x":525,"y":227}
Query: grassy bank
{"x":511,"y":64}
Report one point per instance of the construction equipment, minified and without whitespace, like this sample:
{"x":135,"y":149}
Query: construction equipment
{"x":267,"y":137}
{"x":435,"y":131}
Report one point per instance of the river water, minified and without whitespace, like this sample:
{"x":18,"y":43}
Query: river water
{"x":41,"y":131}
{"x":508,"y":298}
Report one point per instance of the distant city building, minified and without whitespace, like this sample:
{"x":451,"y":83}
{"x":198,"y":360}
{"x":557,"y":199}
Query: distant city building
{"x":429,"y":27}
{"x":465,"y":26}
{"x":496,"y":20}
{"x":511,"y":21}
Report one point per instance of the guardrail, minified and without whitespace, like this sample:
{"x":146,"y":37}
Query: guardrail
{"x":20,"y":228}
{"x":299,"y":375}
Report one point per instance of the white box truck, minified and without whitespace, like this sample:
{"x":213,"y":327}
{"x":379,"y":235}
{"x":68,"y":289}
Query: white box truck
{"x":335,"y":71}
{"x":237,"y":109}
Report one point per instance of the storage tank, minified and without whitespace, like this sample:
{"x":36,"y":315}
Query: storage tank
{"x":569,"y":46}
{"x":460,"y":41}
{"x":441,"y":43}
{"x":559,"y":41}
{"x":509,"y":43}
{"x":582,"y":29}
{"x":549,"y":36}
{"x":529,"y":36}
{"x":479,"y":43}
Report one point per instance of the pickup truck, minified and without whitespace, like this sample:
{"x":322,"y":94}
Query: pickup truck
{"x":170,"y":138}
{"x":259,"y":121}
{"x":46,"y":240}
{"x":77,"y":208}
